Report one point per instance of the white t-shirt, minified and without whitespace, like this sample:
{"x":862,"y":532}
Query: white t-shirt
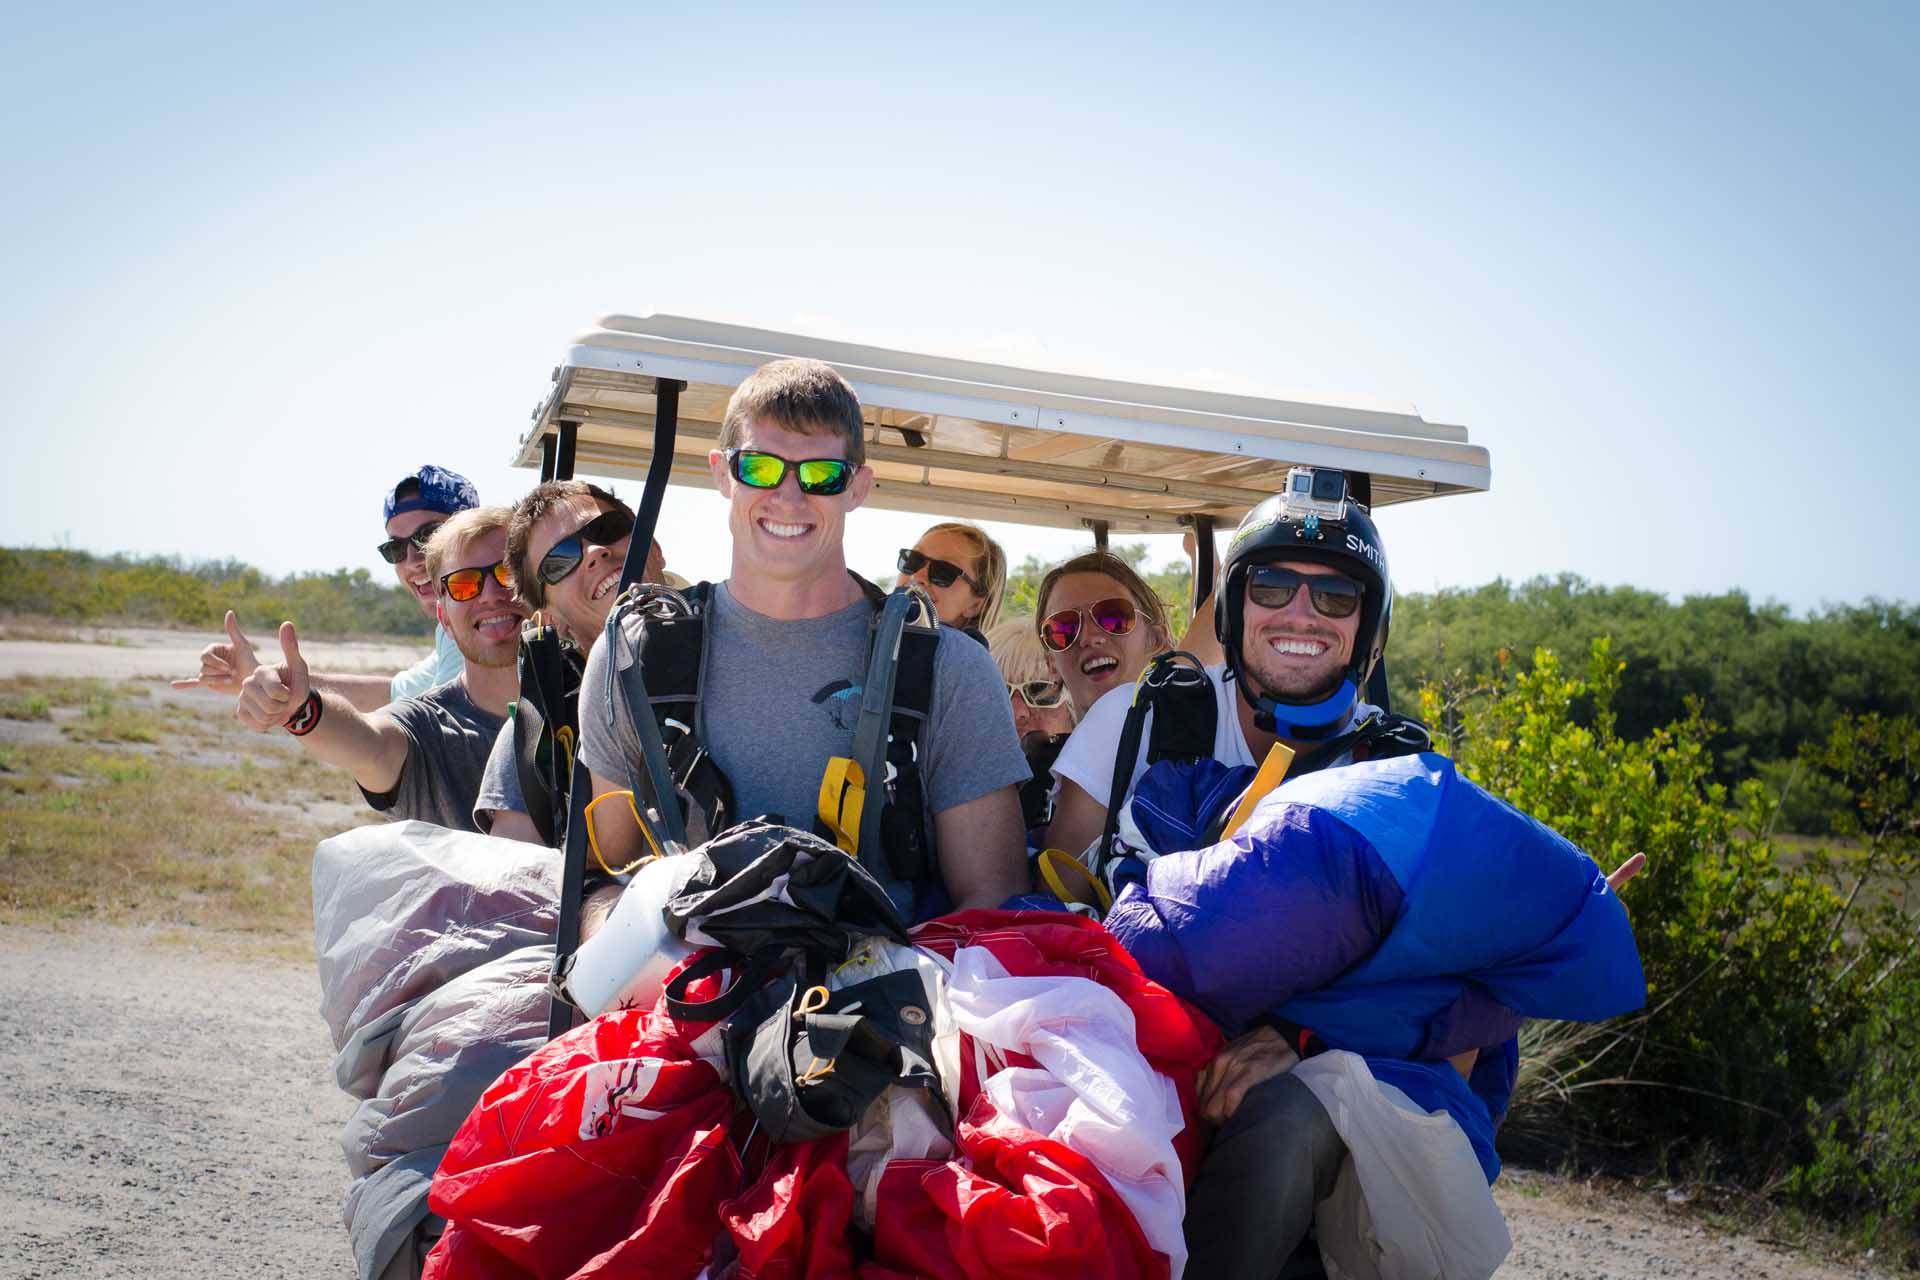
{"x":1087,"y":758}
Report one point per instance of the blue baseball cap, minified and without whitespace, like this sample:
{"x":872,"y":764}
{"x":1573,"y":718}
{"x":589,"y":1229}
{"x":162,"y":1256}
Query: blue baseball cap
{"x":440,"y":490}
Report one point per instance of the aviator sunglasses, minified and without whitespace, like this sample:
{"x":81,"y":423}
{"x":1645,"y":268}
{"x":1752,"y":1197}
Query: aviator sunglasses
{"x":941,"y":573}
{"x":1114,"y":615}
{"x":463,"y":585}
{"x":394,"y":550}
{"x":820,"y":476}
{"x":604,"y":530}
{"x":1333,"y":595}
{"x":1041,"y":695}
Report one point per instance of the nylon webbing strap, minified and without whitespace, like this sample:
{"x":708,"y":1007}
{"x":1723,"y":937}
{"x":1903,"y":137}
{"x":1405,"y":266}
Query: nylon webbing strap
{"x":870,"y":741}
{"x":573,"y":874}
{"x":653,"y":757}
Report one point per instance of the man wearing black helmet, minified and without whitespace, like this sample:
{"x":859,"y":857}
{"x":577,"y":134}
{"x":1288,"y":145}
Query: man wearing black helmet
{"x":1304,"y":606}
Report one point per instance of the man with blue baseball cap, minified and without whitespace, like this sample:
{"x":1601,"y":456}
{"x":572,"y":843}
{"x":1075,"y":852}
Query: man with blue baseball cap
{"x":412,"y":509}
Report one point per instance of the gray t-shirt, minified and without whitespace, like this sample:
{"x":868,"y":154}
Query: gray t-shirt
{"x":781,"y":699}
{"x":448,"y":739}
{"x":499,"y":782}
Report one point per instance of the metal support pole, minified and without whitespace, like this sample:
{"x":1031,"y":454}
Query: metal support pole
{"x":573,"y":870}
{"x":563,"y":460}
{"x":666,"y":425}
{"x":546,"y":458}
{"x":1202,"y":560}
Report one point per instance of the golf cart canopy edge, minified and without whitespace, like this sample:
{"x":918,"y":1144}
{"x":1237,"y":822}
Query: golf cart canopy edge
{"x":993,"y":442}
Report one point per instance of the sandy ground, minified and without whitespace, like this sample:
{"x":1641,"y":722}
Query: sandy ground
{"x":168,"y":1112}
{"x":150,"y":651}
{"x":169,"y":1109}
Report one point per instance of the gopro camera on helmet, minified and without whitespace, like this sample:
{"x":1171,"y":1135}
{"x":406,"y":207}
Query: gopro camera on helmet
{"x":1315,"y":491}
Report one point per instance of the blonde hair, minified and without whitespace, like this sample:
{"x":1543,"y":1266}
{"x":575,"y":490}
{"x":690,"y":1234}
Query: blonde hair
{"x":992,"y":569}
{"x":1016,"y":650}
{"x":457,"y":532}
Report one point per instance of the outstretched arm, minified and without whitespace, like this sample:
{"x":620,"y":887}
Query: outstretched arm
{"x":225,"y":666}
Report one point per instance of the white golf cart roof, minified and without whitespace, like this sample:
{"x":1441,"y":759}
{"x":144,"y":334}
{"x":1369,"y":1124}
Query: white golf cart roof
{"x":992,"y":442}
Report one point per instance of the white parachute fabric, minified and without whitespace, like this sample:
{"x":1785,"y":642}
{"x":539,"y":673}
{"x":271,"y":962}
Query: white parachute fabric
{"x":1411,"y":1202}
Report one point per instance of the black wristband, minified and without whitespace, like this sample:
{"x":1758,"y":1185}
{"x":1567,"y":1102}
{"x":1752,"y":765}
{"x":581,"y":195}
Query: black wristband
{"x":301,"y":722}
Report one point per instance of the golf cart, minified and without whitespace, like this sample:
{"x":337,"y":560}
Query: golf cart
{"x":646,"y":397}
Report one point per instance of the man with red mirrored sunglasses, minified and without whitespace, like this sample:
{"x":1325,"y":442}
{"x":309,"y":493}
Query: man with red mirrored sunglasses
{"x":420,"y":757}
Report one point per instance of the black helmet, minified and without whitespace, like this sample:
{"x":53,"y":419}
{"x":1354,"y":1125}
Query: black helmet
{"x":1312,"y":519}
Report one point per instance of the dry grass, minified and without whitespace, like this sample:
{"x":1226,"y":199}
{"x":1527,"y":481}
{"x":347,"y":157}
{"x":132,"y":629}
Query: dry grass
{"x":117,"y":825}
{"x":47,"y":632}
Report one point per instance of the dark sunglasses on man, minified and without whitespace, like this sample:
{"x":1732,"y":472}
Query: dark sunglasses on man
{"x":1114,"y":615}
{"x":941,"y":573}
{"x":394,"y":550}
{"x":823,"y":477}
{"x":1333,"y":595}
{"x":463,"y":585}
{"x":566,"y":555}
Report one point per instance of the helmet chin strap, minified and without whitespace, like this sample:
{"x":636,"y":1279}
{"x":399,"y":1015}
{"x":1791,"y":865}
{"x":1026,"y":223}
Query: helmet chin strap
{"x":1299,"y":723}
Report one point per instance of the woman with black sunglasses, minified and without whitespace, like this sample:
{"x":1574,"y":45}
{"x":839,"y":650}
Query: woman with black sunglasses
{"x":964,"y":571}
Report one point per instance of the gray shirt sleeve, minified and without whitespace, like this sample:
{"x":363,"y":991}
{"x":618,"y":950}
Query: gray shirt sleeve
{"x":499,"y":782}
{"x":448,"y":739}
{"x":972,"y":748}
{"x":609,"y":747}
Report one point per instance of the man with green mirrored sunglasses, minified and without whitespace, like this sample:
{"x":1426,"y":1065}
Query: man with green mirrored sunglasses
{"x":786,"y":649}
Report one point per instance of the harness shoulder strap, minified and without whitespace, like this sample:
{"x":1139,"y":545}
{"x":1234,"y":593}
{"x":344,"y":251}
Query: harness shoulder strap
{"x":545,"y":722}
{"x":1179,"y":693}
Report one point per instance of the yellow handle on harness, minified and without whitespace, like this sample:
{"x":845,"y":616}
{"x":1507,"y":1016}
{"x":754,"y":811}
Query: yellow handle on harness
{"x":843,"y":798}
{"x":1057,"y":867}
{"x":1273,"y":771}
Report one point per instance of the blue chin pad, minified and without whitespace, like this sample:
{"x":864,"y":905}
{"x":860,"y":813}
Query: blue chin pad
{"x":1289,"y":718}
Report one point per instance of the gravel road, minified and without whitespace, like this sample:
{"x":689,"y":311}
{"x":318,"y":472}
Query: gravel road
{"x":169,"y":1112}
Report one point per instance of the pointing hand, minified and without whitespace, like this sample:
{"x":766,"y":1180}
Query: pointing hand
{"x":224,"y":667}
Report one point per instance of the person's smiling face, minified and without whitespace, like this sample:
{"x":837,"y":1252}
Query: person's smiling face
{"x":412,"y":571}
{"x":1297,"y":653}
{"x":486,"y":628}
{"x":958,"y":604}
{"x":782,"y":534}
{"x":1097,"y":660}
{"x":580,"y":601}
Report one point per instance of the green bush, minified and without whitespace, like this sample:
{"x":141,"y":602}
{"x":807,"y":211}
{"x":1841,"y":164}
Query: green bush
{"x":79,"y":587}
{"x":1769,"y":985}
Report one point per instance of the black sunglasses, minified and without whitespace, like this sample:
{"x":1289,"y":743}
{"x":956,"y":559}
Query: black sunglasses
{"x":941,"y":573}
{"x":822,"y":476}
{"x":604,"y":530}
{"x":1333,"y":595}
{"x":394,"y":550}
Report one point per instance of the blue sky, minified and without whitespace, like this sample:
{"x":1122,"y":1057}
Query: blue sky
{"x":1660,"y":260}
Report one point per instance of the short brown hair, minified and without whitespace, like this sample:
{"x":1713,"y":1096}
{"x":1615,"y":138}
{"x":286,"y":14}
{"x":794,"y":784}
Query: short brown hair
{"x":457,"y":532}
{"x":807,"y":396}
{"x":528,"y":512}
{"x":1145,"y":598}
